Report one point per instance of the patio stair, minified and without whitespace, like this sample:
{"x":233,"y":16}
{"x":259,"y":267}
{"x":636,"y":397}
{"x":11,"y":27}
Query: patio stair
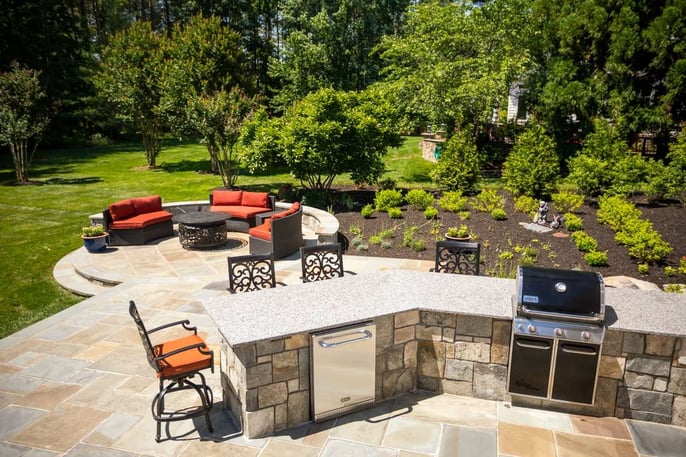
{"x":71,"y":274}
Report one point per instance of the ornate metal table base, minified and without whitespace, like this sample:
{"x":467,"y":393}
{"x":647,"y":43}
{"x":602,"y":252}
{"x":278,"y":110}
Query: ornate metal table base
{"x":202,"y":230}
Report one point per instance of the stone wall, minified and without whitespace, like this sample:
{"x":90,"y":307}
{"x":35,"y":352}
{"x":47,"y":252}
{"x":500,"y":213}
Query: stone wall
{"x":267,"y":384}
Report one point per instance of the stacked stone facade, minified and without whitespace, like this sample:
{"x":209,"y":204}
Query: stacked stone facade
{"x":267,"y":384}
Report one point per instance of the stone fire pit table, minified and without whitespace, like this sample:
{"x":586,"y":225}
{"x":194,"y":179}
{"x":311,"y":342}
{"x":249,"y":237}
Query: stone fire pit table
{"x":202,"y":229}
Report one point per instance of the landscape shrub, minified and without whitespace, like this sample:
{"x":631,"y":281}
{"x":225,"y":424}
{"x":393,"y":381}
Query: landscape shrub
{"x":408,"y":235}
{"x":453,"y":201}
{"x":395,"y":213}
{"x":388,"y":198}
{"x":419,"y":199}
{"x":431,"y":212}
{"x":458,"y":167}
{"x":643,"y":242}
{"x":362,"y":247}
{"x":573,"y":222}
{"x":658,"y":181}
{"x":367,"y":211}
{"x":388,"y":183}
{"x":418,"y":245}
{"x":590,"y":174}
{"x":532,"y":168}
{"x":567,"y":202}
{"x":386,"y":245}
{"x":487,"y":200}
{"x":527,"y":205}
{"x":375,"y":239}
{"x":676,"y":165}
{"x":643,"y":268}
{"x":499,"y":214}
{"x":584,"y":242}
{"x":670,"y":271}
{"x":628,"y":175}
{"x":387,"y":233}
{"x":596,"y":258}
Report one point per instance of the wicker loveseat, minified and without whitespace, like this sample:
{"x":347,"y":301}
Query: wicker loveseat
{"x":280,"y":234}
{"x":137,"y":221}
{"x":243,"y":206}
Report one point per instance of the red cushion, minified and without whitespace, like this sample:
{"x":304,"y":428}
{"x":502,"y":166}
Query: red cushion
{"x":292,"y":210}
{"x":122,"y":210}
{"x":147,"y":204}
{"x":227,"y":197}
{"x":239,"y":212}
{"x":142,"y":220}
{"x":258,"y":199}
{"x":262,"y":231}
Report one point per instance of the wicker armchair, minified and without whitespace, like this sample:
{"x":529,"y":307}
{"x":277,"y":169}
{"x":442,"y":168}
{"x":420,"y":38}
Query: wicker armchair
{"x":279,"y":235}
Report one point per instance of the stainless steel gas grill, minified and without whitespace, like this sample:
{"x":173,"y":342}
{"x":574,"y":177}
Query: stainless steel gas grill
{"x":557,"y":334}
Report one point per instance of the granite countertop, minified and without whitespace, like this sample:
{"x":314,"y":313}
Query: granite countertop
{"x":276,"y":313}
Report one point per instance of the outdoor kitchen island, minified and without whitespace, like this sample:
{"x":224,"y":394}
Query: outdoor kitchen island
{"x":436,"y":332}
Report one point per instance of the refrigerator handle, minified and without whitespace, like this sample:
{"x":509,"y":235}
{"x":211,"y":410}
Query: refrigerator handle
{"x":364,"y":335}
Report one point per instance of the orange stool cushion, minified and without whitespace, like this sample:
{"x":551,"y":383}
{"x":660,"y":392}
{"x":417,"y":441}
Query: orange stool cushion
{"x":183,"y":362}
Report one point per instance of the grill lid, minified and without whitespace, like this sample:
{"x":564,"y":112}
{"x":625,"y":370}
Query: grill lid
{"x":570,"y":293}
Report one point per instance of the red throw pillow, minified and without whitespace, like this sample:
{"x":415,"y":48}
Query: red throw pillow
{"x":150,"y":204}
{"x":258,"y":199}
{"x":227,"y":197}
{"x":293,"y":209}
{"x":122,"y":210}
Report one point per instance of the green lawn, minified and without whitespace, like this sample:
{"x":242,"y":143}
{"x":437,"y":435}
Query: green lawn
{"x":39,"y":224}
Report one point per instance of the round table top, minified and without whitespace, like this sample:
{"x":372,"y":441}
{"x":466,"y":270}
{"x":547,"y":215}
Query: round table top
{"x":201,"y":218}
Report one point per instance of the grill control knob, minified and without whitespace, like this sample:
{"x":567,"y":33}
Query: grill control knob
{"x":559,"y":332}
{"x":585,"y":335}
{"x":532,"y":329}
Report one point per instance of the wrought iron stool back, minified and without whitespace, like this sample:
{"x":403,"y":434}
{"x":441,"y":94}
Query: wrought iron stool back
{"x":176,"y":361}
{"x":251,"y":272}
{"x":321,"y":262}
{"x":457,"y":257}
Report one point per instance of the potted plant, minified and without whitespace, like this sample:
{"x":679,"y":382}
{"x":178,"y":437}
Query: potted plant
{"x":460,"y":233}
{"x":94,"y":238}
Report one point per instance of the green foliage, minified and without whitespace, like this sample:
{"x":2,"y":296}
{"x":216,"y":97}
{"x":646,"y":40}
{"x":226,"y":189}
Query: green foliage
{"x":395,"y":213}
{"x":431,"y":212}
{"x":387,"y":233}
{"x":387,"y":199}
{"x":573,"y":222}
{"x":487,"y":200}
{"x":355,"y":230}
{"x":567,"y":202}
{"x":458,"y":232}
{"x":643,"y":242}
{"x":386,"y":245}
{"x":326,"y":134}
{"x":596,"y":258}
{"x":499,"y":214}
{"x":357,"y":241}
{"x":584,"y":242}
{"x":532,"y":168}
{"x":527,"y":205}
{"x":131,"y":78}
{"x":418,"y":245}
{"x":375,"y":239}
{"x":628,"y":174}
{"x":453,"y":201}
{"x":675,"y":288}
{"x":458,"y":167}
{"x":22,"y":116}
{"x":670,"y":271}
{"x":419,"y":199}
{"x":367,"y":211}
{"x":93,"y":230}
{"x":362,"y":247}
{"x":676,"y":169}
{"x":408,"y":235}
{"x":643,"y":268}
{"x":590,"y":174}
{"x":388,"y":183}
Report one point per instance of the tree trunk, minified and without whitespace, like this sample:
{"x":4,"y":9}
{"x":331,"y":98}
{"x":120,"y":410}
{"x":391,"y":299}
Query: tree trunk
{"x":21,"y":160}
{"x":151,"y":141}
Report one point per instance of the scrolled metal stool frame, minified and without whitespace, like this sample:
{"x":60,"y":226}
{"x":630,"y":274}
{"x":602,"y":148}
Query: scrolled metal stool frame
{"x":321,"y":262}
{"x":459,"y":257}
{"x":251,"y":272}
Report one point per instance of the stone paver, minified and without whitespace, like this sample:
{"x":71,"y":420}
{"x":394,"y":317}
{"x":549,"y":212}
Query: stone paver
{"x":77,"y":383}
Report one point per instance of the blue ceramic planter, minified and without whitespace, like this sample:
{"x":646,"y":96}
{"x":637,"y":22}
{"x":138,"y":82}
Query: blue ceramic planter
{"x":95,"y":244}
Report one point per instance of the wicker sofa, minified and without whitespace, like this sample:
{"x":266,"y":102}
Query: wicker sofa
{"x":243,"y":206}
{"x":280,"y":234}
{"x":137,"y":221}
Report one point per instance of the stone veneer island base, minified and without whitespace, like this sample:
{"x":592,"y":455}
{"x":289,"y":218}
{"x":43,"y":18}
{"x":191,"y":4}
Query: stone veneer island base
{"x":441,"y":333}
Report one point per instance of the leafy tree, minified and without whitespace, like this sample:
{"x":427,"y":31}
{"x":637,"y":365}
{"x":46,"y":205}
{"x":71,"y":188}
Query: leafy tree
{"x":131,"y":77}
{"x":326,"y":134}
{"x":532,"y":168}
{"x":454,"y":62}
{"x":218,"y":118}
{"x":22,"y":116}
{"x":458,"y":167}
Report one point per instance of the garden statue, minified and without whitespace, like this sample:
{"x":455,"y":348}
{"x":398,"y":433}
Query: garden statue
{"x":557,"y":222}
{"x":542,"y":213}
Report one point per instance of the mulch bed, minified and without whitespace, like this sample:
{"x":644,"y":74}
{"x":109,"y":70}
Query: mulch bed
{"x":555,"y":249}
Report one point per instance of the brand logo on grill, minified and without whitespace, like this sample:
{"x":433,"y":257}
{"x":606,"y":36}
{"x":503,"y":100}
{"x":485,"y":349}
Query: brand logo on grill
{"x":530,"y":298}
{"x":344,"y":399}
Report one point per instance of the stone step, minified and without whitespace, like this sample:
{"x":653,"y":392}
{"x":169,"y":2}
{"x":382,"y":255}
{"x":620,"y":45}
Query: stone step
{"x":68,"y":278}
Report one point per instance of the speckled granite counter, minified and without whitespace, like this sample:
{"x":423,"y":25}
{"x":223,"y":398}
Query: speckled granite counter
{"x":274,"y":313}
{"x":440,"y":333}
{"x":290,"y":310}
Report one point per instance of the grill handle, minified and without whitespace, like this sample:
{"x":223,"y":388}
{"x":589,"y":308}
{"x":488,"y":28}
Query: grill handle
{"x":533,"y":344}
{"x":562,"y":316}
{"x":577,"y":349}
